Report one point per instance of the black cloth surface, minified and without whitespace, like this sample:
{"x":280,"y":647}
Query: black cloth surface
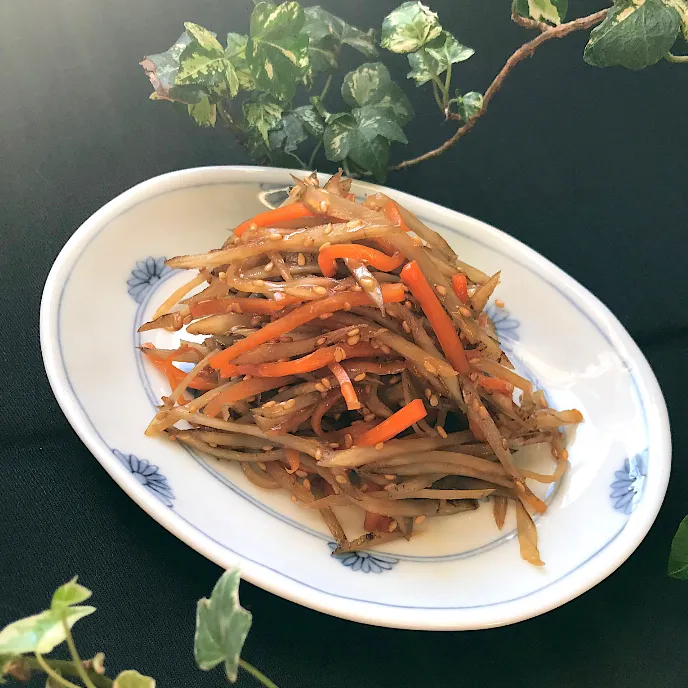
{"x":585,"y":165}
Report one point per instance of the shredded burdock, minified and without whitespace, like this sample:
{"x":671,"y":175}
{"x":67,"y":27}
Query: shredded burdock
{"x":349,"y":360}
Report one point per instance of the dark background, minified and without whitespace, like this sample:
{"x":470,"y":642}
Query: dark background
{"x":588,"y":166}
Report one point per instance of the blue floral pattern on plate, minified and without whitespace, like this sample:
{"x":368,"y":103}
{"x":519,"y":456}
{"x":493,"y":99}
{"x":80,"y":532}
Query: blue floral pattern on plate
{"x":366,"y":561}
{"x":506,"y":326}
{"x":148,"y":474}
{"x":145,"y":275}
{"x":627,"y":489}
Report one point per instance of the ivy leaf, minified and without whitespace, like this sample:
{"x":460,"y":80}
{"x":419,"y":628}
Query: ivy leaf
{"x":222,"y":625}
{"x":372,"y":157}
{"x":339,"y":136}
{"x":263,"y":114}
{"x":162,"y":69}
{"x":470,"y":104}
{"x":311,"y":119}
{"x":204,"y":112}
{"x":132,"y":679}
{"x":289,"y":134}
{"x":634,"y":34}
{"x":409,"y":27}
{"x":39,"y":633}
{"x":397,"y":103}
{"x":277,"y":49}
{"x":552,"y":11}
{"x":69,"y":594}
{"x":236,"y":54}
{"x":678,"y":557}
{"x":203,"y":63}
{"x":681,"y":6}
{"x":434,"y":59}
{"x":321,"y":24}
{"x":373,"y":121}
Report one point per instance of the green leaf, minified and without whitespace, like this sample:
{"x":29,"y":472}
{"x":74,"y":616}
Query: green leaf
{"x":311,"y":119}
{"x":203,"y":63}
{"x":289,"y":133}
{"x":634,"y":34}
{"x":678,"y":557}
{"x":277,"y":49}
{"x":132,"y":679}
{"x":470,"y":104}
{"x":204,"y":112}
{"x":236,"y":54}
{"x":552,"y":11}
{"x":409,"y":27}
{"x":162,"y":69}
{"x":222,"y":625}
{"x":434,"y":59}
{"x":68,"y":594}
{"x":372,"y":156}
{"x":321,"y":24}
{"x":373,"y":121}
{"x":681,"y":6}
{"x":263,"y":114}
{"x":339,"y":136}
{"x":396,"y":101}
{"x":39,"y":633}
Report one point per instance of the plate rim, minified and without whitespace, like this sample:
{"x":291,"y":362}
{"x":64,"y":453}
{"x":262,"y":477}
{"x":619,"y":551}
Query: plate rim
{"x":617,"y":551}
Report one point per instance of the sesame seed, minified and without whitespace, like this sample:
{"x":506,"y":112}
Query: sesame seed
{"x":290,"y":404}
{"x":465,"y":312}
{"x":367,"y":282}
{"x":325,"y":245}
{"x":269,"y":404}
{"x":267,"y":447}
{"x":406,"y":326}
{"x":357,"y":287}
{"x":347,"y":306}
{"x":368,"y":417}
{"x":393,"y":526}
{"x":420,"y":519}
{"x":354,"y":332}
{"x":428,"y":392}
{"x":555,"y":453}
{"x":293,"y":499}
{"x":301,"y":259}
{"x":408,"y":305}
{"x":505,"y":444}
{"x":434,"y":401}
{"x":473,"y":376}
{"x":352,"y":341}
{"x":354,"y":224}
{"x":324,"y":205}
{"x":564,"y":454}
{"x":499,"y":303}
{"x":321,"y":341}
{"x":262,"y":466}
{"x":222,"y":275}
{"x":301,"y":474}
{"x":319,"y":387}
{"x":326,"y":383}
{"x":441,"y":431}
{"x":429,"y":367}
{"x":328,"y":229}
{"x":318,"y":454}
{"x":482,"y":412}
{"x":325,"y":316}
{"x":442,"y":291}
{"x":269,"y":266}
{"x":275,"y":237}
{"x":334,"y":445}
{"x":348,"y":441}
{"x":390,"y":476}
{"x":258,"y":283}
{"x":307,"y":484}
{"x":341,"y":479}
{"x":380,"y":446}
{"x":360,"y":377}
{"x":339,"y":354}
{"x":385,"y":349}
{"x":320,"y":290}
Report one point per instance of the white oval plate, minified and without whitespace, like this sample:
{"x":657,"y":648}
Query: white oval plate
{"x":459,"y":572}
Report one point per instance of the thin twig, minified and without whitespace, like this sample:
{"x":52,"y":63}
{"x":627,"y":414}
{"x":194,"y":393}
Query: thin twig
{"x":528,"y":23}
{"x":521,"y":54}
{"x":676,"y":59}
{"x":66,"y":668}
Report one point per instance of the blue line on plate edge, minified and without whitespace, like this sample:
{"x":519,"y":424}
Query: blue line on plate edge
{"x":145,"y":380}
{"x":451,"y":230}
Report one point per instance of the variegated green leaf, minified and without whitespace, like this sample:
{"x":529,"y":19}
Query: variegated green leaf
{"x":397,"y":103}
{"x":236,"y":54}
{"x":634,"y":34}
{"x":678,"y":557}
{"x":263,"y":114}
{"x":288,"y":135}
{"x":366,"y":84}
{"x":222,"y":625}
{"x":470,"y":104}
{"x":373,"y":121}
{"x":446,"y":50}
{"x":69,"y":594}
{"x":409,"y":27}
{"x":339,"y":136}
{"x":329,"y":32}
{"x":132,"y":679}
{"x":39,"y":633}
{"x":311,"y":119}
{"x":205,"y":39}
{"x":277,"y":49}
{"x":162,"y":69}
{"x":204,"y":112}
{"x":681,"y":6}
{"x":552,"y":11}
{"x":371,"y":156}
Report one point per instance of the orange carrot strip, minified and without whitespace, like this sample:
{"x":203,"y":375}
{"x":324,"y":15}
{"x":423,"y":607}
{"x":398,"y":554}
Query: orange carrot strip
{"x":348,"y":391}
{"x":414,"y":279}
{"x":392,"y":426}
{"x":350,"y":197}
{"x":242,"y":390}
{"x":174,"y":375}
{"x":376,"y":522}
{"x":305,"y":364}
{"x":460,"y":284}
{"x":495,"y":384}
{"x":391,"y":293}
{"x":294,"y":460}
{"x":287,"y":213}
{"x":392,"y":212}
{"x":240,"y":305}
{"x":325,"y":404}
{"x":327,"y":257}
